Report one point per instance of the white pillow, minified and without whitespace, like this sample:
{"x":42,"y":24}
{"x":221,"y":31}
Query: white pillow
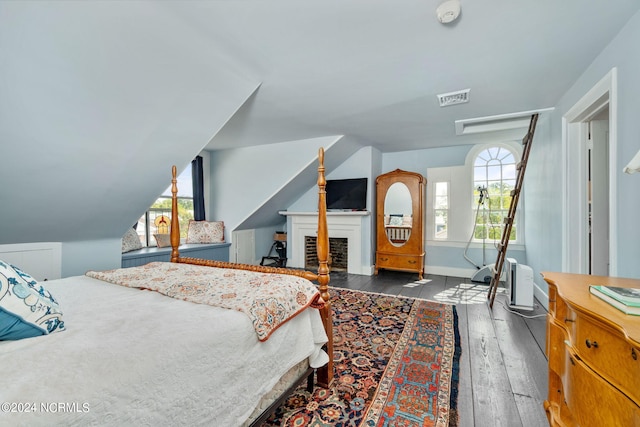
{"x":205,"y":232}
{"x":395,"y":220}
{"x":131,"y":241}
{"x":163,"y":240}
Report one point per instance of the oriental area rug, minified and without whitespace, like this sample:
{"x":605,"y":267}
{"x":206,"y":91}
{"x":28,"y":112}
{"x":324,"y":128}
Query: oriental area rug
{"x":396,"y":364}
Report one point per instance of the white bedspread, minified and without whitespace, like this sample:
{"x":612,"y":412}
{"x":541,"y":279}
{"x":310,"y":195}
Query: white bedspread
{"x":132,"y":357}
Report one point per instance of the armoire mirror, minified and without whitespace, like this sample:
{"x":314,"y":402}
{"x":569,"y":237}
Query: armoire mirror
{"x":399,"y":219}
{"x":398,"y":213}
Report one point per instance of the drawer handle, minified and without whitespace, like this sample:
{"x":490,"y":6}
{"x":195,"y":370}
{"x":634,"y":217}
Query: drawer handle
{"x":590,"y":343}
{"x":566,"y":319}
{"x":411,"y":262}
{"x":384,"y":259}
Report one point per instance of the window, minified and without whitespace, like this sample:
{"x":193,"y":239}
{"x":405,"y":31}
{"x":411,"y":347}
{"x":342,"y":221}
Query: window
{"x":494,"y":176}
{"x":452,"y":197}
{"x":158,"y":217}
{"x":441,"y":209}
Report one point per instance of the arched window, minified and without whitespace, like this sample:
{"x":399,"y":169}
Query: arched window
{"x":494,"y":176}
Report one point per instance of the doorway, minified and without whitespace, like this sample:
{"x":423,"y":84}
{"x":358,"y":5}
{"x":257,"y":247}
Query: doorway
{"x":598,"y":194}
{"x":589,"y":153}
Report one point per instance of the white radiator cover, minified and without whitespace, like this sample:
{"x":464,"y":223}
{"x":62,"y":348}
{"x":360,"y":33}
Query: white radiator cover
{"x":42,"y":261}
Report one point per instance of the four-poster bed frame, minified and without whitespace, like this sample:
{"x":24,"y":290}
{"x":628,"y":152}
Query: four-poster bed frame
{"x":324,"y":374}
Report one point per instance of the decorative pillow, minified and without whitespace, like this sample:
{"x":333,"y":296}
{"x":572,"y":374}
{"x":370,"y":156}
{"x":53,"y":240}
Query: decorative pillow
{"x":407,"y":221}
{"x":205,"y":232}
{"x":163,"y":240}
{"x":395,"y":220}
{"x":27,"y":309}
{"x":131,"y":241}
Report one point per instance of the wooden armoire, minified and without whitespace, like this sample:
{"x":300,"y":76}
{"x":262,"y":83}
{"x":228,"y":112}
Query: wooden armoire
{"x":399,"y":221}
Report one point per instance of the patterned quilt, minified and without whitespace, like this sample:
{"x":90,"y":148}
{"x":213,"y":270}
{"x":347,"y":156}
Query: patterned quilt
{"x":268,"y":299}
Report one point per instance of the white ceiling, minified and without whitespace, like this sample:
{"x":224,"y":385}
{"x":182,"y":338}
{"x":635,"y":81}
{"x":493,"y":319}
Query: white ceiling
{"x":371,"y":69}
{"x":99,"y":98}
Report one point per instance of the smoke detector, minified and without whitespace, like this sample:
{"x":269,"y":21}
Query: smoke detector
{"x":448,"y":11}
{"x":452,"y":98}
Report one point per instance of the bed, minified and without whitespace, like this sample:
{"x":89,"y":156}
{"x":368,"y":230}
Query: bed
{"x":131,"y":355}
{"x":398,"y":227}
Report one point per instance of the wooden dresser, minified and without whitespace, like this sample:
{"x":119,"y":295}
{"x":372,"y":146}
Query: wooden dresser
{"x":593,"y":351}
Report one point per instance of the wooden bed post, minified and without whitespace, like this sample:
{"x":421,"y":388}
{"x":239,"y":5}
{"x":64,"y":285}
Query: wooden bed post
{"x":325,"y":374}
{"x":175,"y":224}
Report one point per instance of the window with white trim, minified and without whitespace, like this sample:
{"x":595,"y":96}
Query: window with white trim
{"x":441,"y":210}
{"x":452,"y":197}
{"x":494,"y":177}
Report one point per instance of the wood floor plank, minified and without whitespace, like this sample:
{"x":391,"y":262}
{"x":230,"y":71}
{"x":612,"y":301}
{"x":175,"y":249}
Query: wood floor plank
{"x":530,"y":414}
{"x":492,"y":396}
{"x":465,"y":386}
{"x":521,"y":353}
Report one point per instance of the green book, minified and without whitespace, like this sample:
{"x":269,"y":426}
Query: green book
{"x":626,"y":300}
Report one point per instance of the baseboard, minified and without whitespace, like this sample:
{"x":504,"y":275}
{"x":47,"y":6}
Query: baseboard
{"x":541,"y":296}
{"x":431,"y":269}
{"x":449,"y":271}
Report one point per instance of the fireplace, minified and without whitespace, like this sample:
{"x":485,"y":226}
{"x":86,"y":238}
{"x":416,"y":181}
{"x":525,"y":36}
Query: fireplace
{"x":341,"y":225}
{"x":338,"y":253}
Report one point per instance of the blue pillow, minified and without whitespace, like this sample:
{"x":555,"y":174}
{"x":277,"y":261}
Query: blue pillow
{"x":27,"y":309}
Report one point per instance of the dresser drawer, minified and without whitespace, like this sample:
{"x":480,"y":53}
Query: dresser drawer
{"x":606,"y":407}
{"x":609,"y":353}
{"x":555,"y":345}
{"x":400,"y":262}
{"x":594,"y":374}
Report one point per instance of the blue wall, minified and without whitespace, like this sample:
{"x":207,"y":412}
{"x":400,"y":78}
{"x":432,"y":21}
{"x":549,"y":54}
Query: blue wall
{"x":544,"y":195}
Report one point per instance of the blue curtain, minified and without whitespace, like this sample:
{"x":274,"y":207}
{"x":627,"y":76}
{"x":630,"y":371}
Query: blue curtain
{"x":198,"y":189}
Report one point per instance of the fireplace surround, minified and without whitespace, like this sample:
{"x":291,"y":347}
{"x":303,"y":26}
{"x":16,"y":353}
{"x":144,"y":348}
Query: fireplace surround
{"x":348,"y":225}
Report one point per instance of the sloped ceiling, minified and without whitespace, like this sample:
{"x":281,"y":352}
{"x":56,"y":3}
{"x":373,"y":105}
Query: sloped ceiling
{"x":99,"y":98}
{"x":98,"y":101}
{"x":371,"y":69}
{"x":261,"y":199}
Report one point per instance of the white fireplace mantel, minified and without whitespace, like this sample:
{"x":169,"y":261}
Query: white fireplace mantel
{"x":340,"y":224}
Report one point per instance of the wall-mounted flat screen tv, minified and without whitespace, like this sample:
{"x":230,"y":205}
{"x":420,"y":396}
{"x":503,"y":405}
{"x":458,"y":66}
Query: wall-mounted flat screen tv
{"x":347,"y":194}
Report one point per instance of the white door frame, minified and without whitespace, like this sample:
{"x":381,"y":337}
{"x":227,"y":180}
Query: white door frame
{"x":575,"y":257}
{"x":600,"y":197}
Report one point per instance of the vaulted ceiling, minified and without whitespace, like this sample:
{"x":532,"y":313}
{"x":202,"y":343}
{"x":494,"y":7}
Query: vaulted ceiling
{"x":99,"y":98}
{"x":372,"y":70}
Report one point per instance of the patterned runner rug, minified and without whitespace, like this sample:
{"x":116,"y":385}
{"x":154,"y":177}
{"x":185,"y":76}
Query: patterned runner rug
{"x":396,"y":364}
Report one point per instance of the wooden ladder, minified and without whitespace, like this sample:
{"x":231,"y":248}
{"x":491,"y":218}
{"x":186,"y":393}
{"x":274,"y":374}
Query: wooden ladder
{"x":508,"y":220}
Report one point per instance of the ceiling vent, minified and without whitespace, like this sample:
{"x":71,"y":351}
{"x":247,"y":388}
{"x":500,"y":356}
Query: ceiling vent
{"x":453,"y":98}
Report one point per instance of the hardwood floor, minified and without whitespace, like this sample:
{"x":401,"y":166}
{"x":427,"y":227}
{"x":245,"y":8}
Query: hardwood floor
{"x":503,"y":369}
